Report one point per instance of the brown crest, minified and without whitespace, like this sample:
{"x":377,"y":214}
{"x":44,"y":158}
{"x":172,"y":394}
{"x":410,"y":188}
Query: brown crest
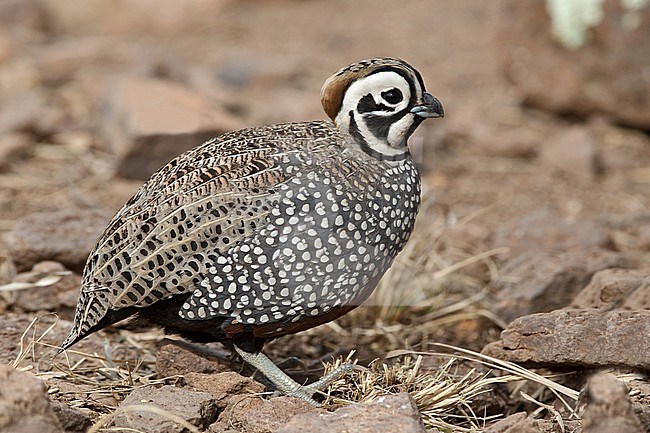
{"x":336,"y":85}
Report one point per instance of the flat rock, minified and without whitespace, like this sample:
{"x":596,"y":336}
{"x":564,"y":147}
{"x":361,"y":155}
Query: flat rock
{"x":149,"y":409}
{"x":66,"y":236}
{"x":24,"y":406}
{"x":253,"y":414}
{"x":608,"y":409}
{"x":147,"y":122}
{"x":386,"y":414}
{"x":540,"y":281}
{"x":579,"y":337}
{"x":172,"y":360}
{"x":558,"y":63}
{"x":223,"y":386}
{"x":616,"y":288}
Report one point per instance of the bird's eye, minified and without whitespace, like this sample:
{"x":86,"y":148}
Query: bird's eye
{"x":392,"y":96}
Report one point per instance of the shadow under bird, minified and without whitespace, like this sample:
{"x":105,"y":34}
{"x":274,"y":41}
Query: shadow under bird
{"x":268,"y":231}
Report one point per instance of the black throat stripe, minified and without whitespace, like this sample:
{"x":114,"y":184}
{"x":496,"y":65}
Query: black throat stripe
{"x":363,"y":144}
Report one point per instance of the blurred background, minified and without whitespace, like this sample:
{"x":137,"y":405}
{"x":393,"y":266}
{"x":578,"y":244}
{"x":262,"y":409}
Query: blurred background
{"x":544,"y":147}
{"x":537,"y":178}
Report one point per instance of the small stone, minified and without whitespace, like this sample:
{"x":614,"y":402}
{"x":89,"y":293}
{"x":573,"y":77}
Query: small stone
{"x":13,"y":146}
{"x":172,"y":360}
{"x":385,"y":414}
{"x":66,"y":236}
{"x":616,"y":288}
{"x":196,"y":408}
{"x":72,"y":420}
{"x":148,"y":122}
{"x":608,"y":407}
{"x":60,"y":296}
{"x":579,"y":337}
{"x":24,"y":406}
{"x":31,"y":112}
{"x":515,"y":423}
{"x":224,"y":385}
{"x":640,"y":398}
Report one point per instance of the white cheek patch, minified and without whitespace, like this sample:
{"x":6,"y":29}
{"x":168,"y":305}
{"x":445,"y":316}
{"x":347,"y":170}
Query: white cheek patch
{"x":375,"y":84}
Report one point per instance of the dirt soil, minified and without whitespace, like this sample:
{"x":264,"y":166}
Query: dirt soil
{"x":496,"y":183}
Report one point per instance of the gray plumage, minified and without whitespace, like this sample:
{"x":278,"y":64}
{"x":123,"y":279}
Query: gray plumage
{"x":269,"y":230}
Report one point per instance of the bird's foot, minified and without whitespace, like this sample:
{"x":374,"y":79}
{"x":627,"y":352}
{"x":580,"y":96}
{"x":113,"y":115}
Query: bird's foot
{"x":286,"y":385}
{"x":306,"y":392}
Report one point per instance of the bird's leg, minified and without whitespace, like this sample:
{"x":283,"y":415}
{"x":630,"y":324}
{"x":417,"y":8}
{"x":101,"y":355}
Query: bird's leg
{"x":287,"y":385}
{"x":209,"y":353}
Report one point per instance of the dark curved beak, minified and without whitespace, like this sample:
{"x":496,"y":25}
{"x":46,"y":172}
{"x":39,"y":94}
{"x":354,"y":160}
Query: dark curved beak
{"x":431,"y":107}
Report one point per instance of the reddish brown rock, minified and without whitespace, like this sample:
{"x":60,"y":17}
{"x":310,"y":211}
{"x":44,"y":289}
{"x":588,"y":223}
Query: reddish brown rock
{"x":573,"y":152}
{"x":251,"y":414}
{"x":224,"y":385}
{"x":195,"y":408}
{"x":540,"y":281}
{"x":72,"y":420}
{"x":605,"y":75}
{"x":386,"y":414}
{"x":65,"y":236}
{"x":608,"y":407}
{"x":172,"y":360}
{"x":24,"y":406}
{"x":581,"y":337}
{"x":147,"y":122}
{"x":616,"y":288}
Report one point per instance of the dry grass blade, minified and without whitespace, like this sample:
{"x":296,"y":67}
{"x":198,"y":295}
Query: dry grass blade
{"x":556,"y":415}
{"x":27,"y":348}
{"x":469,"y":261}
{"x":47,"y":280}
{"x":514,"y":369}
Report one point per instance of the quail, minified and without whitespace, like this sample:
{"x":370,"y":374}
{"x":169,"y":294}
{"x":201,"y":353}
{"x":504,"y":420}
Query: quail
{"x":271,"y":230}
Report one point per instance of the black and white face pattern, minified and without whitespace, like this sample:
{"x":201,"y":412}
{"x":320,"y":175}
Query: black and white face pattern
{"x":376,"y":112}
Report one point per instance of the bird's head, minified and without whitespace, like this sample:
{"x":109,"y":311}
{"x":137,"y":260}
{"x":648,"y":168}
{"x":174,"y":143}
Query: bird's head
{"x":379,"y":103}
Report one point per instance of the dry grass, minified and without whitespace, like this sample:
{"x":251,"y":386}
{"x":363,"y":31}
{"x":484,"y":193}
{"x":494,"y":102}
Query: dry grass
{"x":444,"y":396}
{"x":97,"y":381}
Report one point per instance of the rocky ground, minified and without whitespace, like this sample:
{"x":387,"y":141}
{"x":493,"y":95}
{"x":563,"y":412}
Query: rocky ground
{"x":521,"y":304}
